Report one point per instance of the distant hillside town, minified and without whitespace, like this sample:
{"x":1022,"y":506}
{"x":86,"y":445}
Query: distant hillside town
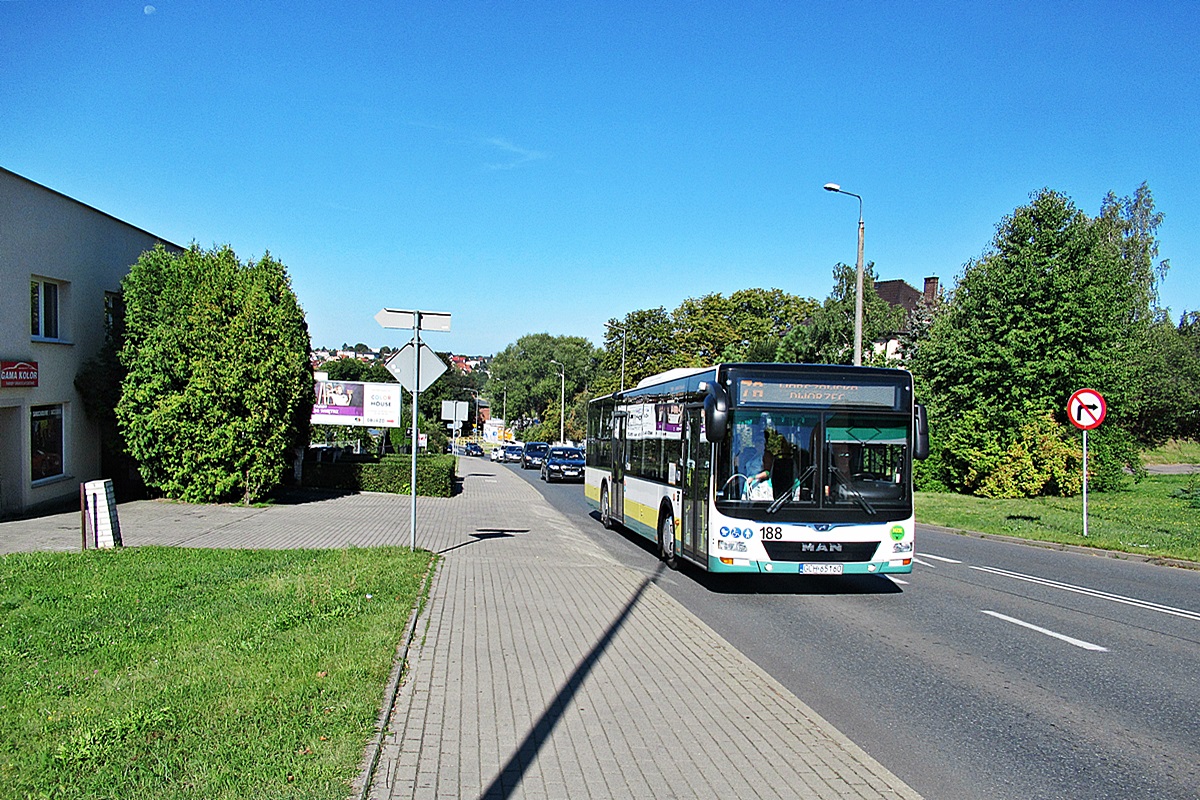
{"x":361,"y":352}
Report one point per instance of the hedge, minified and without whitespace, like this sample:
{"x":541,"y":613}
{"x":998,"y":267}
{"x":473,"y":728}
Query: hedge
{"x":435,"y":475}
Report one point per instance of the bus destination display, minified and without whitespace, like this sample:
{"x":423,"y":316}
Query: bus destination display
{"x":757,"y":392}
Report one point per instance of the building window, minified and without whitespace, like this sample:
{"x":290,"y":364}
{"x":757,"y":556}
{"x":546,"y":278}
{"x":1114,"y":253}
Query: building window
{"x":114,"y":316}
{"x":46,"y":437}
{"x":43,"y":309}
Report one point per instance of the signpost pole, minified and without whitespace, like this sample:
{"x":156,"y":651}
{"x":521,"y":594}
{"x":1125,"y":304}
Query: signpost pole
{"x":1085,"y":531}
{"x":412,"y":506}
{"x":1086,"y":409}
{"x":402,"y":318}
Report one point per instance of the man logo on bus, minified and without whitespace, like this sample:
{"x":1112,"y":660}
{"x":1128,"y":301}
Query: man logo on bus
{"x":737,"y":533}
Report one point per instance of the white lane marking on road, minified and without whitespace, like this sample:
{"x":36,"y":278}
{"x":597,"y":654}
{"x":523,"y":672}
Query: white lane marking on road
{"x":1116,"y":598}
{"x":941,"y":558}
{"x":894,"y":579}
{"x":1069,"y":640}
{"x":924,"y":563}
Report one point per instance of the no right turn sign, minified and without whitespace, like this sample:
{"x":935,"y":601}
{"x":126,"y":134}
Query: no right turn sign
{"x":1086,"y":408}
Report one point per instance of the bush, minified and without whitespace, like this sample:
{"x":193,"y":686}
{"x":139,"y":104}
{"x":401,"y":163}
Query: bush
{"x":1039,"y":461}
{"x":1027,"y":454}
{"x":218,"y":388}
{"x":1113,"y":458}
{"x":391,"y":474}
{"x":967,"y":449}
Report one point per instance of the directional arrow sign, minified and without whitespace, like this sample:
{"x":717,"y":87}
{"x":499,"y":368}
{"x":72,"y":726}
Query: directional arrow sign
{"x":401,"y":365}
{"x":396,"y":318}
{"x":1086,"y":408}
{"x":402,"y":318}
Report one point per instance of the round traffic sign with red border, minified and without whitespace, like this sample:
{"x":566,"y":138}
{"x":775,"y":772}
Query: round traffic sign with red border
{"x":1086,"y":409}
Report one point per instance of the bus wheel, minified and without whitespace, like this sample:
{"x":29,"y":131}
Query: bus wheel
{"x":605,"y":509}
{"x":666,"y":541}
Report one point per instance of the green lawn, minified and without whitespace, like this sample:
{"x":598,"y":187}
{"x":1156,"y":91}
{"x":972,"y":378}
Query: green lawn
{"x":1173,"y":452}
{"x":1158,"y":517}
{"x":167,"y":673}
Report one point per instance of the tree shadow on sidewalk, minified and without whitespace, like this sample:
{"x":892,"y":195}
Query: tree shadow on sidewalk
{"x":301,"y":495}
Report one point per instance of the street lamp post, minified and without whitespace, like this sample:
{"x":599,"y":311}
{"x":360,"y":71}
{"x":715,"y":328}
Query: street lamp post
{"x":624,"y":336}
{"x":562,"y":401}
{"x":858,"y":297}
{"x":476,"y":430}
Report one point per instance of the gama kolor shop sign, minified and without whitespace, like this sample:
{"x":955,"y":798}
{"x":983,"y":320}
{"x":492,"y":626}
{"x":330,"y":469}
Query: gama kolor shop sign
{"x":18,"y":373}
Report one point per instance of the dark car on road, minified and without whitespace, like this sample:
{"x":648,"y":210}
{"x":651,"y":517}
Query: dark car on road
{"x":535,"y":454}
{"x":563,"y":464}
{"x":474,"y":449}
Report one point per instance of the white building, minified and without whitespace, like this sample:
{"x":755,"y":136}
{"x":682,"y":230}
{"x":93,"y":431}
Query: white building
{"x":61,"y":265}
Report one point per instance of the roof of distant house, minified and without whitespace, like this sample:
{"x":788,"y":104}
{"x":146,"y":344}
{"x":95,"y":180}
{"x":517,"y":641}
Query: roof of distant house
{"x":898,"y":293}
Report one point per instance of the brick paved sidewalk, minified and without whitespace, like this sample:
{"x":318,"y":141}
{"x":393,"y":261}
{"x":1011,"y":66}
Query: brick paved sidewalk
{"x":541,"y":668}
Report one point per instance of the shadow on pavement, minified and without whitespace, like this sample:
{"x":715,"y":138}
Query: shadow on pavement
{"x":508,"y":780}
{"x":298,"y":496}
{"x":796,"y":584}
{"x":483,"y":534}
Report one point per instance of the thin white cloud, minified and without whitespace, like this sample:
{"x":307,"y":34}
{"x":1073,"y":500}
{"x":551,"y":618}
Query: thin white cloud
{"x":516,"y":155}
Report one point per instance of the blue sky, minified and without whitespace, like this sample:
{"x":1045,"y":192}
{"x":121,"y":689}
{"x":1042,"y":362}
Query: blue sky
{"x":543,"y":167}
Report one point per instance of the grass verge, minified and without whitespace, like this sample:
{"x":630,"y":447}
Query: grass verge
{"x":1158,"y":517}
{"x":1176,"y":451}
{"x":164,"y":673}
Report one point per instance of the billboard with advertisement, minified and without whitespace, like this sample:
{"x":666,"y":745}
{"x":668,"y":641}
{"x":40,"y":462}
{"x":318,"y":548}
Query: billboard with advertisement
{"x":368,"y":405}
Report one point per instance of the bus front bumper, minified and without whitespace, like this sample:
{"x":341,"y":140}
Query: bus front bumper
{"x":899,"y":566}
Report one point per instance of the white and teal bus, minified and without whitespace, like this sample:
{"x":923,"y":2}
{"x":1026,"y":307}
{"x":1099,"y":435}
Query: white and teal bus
{"x":777,"y":468}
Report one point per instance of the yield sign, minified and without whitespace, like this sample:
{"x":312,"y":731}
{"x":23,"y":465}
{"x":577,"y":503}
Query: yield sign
{"x":1086,"y":408}
{"x":401,"y":365}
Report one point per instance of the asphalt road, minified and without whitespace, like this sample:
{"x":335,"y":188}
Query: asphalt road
{"x":995,"y":670}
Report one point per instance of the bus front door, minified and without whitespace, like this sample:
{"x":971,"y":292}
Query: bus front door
{"x":697,"y":457}
{"x":618,"y":468}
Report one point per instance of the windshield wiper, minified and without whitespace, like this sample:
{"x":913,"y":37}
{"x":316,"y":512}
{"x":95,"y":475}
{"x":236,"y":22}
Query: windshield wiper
{"x":849,"y":484}
{"x":792,"y":494}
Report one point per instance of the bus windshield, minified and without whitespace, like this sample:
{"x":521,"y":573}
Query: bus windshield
{"x":818,"y":465}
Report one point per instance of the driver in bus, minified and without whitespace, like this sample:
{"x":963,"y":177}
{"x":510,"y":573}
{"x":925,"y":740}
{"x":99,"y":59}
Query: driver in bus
{"x":755,"y":462}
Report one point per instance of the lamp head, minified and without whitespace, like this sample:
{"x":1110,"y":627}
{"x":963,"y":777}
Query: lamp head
{"x":833,"y":187}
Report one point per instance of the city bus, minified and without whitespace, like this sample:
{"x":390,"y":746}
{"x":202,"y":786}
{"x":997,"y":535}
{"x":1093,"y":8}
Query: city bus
{"x":764,"y":468}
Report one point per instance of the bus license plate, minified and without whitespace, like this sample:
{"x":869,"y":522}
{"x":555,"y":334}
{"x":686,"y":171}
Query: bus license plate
{"x":822,"y":569}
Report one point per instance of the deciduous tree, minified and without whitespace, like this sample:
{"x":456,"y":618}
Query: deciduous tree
{"x":828,"y":336}
{"x":219,"y":387}
{"x":1059,"y":301}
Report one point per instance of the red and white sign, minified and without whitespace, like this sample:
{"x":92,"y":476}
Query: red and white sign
{"x":18,"y":374}
{"x":1086,"y":408}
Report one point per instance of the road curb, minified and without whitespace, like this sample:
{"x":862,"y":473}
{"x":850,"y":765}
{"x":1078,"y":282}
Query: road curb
{"x":383,"y":720}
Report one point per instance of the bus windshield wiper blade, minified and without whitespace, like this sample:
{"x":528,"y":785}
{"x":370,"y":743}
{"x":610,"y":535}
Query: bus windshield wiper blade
{"x":792,"y":494}
{"x":849,"y":484}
